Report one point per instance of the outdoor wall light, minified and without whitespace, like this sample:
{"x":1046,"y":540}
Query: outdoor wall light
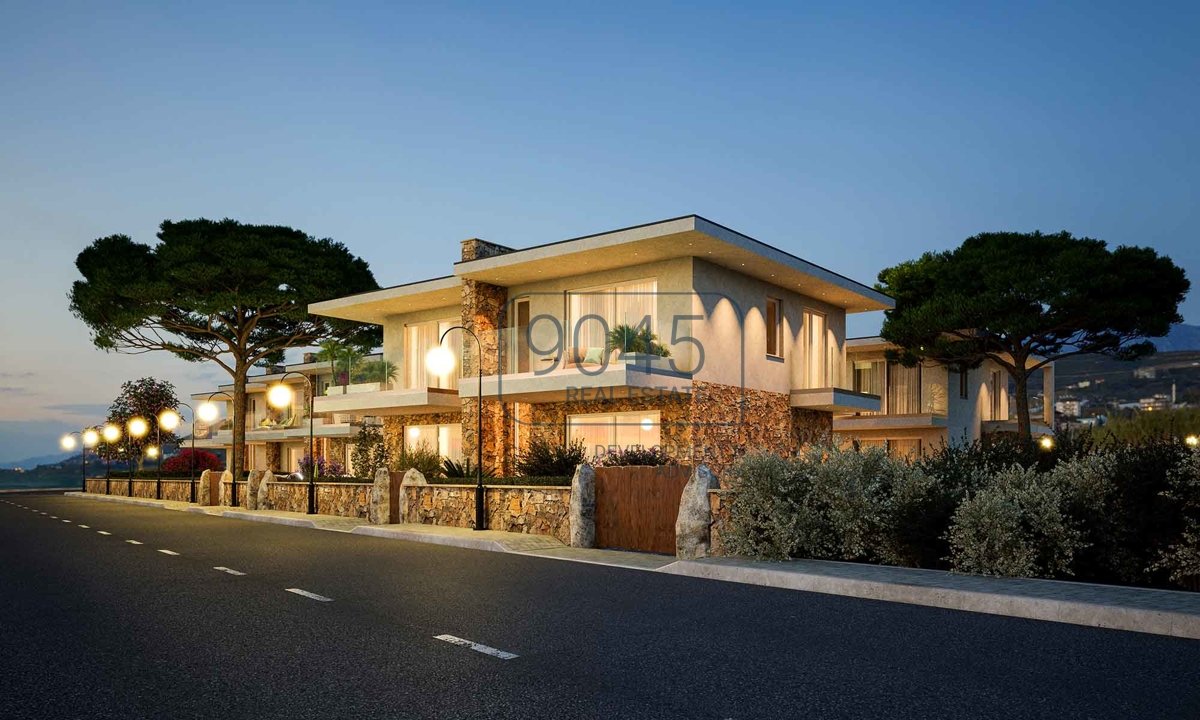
{"x":138,"y":427}
{"x":169,"y":420}
{"x":280,"y":396}
{"x":1046,"y":442}
{"x":1192,"y":441}
{"x":208,"y":411}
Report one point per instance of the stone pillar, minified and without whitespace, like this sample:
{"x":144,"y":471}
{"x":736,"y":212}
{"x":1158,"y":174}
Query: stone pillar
{"x":263,"y":494}
{"x":274,"y":453}
{"x":582,"y":508}
{"x":252,"y":481}
{"x":412,"y":478}
{"x":811,"y":426}
{"x":204,"y":488}
{"x":226,"y":477}
{"x":483,"y":312}
{"x":379,"y":509}
{"x":695,"y":515}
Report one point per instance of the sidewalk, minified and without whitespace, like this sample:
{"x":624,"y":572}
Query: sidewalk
{"x":1160,"y":612}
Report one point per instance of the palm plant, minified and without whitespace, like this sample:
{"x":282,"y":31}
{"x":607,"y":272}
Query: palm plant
{"x":629,"y":339}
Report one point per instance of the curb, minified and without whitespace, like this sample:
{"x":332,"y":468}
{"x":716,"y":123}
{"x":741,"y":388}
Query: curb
{"x":294,"y":522}
{"x":1111,"y":617}
{"x":395,"y":534}
{"x":119,"y":499}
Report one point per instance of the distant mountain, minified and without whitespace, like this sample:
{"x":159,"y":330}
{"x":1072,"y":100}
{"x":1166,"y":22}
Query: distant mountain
{"x":1181,"y":337}
{"x":32,"y":462}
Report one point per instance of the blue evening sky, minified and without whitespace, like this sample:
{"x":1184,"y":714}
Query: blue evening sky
{"x":853,"y":135}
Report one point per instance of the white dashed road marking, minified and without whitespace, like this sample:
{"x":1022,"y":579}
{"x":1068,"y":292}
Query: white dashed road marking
{"x":476,"y":647}
{"x":309,"y":595}
{"x":85,"y":527}
{"x":66,"y":521}
{"x":104,"y":532}
{"x":228,"y":571}
{"x":133,"y":542}
{"x":168,"y":552}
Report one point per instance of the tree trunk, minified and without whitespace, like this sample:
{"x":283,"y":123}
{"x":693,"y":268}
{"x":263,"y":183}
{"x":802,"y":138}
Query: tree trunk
{"x":1024,"y":431}
{"x":238,"y":450}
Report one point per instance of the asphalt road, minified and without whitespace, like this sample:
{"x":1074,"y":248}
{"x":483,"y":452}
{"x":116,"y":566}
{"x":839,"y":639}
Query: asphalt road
{"x":93,"y":626}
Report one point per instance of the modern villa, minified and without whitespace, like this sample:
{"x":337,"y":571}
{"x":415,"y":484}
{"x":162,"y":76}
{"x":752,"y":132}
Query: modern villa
{"x":927,"y":406}
{"x":724,"y":344}
{"x":682,"y":334}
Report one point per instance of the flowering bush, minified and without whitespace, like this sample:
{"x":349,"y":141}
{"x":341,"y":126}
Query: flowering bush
{"x":325,"y":468}
{"x":182,"y":461}
{"x":1182,"y":559}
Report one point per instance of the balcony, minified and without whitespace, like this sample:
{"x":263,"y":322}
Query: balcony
{"x":378,"y":399}
{"x":619,"y":377}
{"x":859,"y":423}
{"x":835,"y":400}
{"x":221,"y":434}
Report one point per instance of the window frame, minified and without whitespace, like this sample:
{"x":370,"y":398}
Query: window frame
{"x":774,"y":326}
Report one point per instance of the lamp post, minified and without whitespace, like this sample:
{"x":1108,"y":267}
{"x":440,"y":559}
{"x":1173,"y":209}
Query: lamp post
{"x":111,"y":434}
{"x":169,"y":420}
{"x":441,"y":361}
{"x":87,"y":439}
{"x":136,"y":429}
{"x":281,"y":396}
{"x":208,"y":412}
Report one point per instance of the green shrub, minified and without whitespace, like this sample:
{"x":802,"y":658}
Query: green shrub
{"x":542,"y":458}
{"x":370,"y":452}
{"x":452,"y":469}
{"x":1014,"y":526}
{"x":422,"y":458}
{"x":1180,"y":560}
{"x":556,"y":481}
{"x":829,"y":503}
{"x":635,"y":455}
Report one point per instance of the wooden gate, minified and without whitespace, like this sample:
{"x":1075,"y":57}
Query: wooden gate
{"x":636,"y":506}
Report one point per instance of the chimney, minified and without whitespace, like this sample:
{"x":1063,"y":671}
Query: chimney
{"x":476,"y":249}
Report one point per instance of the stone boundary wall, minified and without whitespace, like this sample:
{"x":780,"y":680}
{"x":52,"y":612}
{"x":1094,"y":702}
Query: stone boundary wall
{"x":142,"y":488}
{"x":341,"y":499}
{"x":536,"y":510}
{"x":227,"y":494}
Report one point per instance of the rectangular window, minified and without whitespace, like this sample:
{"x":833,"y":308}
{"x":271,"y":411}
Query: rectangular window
{"x":591,"y":312}
{"x":935,"y":383}
{"x":816,"y":350}
{"x":868,"y":378}
{"x":903,"y":389}
{"x":601,"y":431}
{"x":964,"y":389}
{"x":774,"y":318}
{"x":520,"y":339}
{"x":446,"y":440}
{"x":904,"y":448}
{"x":419,"y":339}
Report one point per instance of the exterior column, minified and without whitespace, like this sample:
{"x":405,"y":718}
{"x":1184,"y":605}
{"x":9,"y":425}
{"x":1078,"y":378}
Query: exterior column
{"x":484,"y":309}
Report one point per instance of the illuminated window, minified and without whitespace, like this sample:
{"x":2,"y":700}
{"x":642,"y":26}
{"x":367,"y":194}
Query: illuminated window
{"x":445,"y":439}
{"x":623,"y":430}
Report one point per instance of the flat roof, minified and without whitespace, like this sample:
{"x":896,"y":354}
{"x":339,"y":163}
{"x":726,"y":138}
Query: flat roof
{"x":687,"y":236}
{"x":375,"y":305}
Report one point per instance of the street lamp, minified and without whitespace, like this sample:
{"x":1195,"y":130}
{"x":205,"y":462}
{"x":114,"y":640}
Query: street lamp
{"x":170,"y":420}
{"x":111,"y":433}
{"x":137,"y":428}
{"x":88,"y":438}
{"x":208,"y":412}
{"x":281,"y":396}
{"x":440,"y":361}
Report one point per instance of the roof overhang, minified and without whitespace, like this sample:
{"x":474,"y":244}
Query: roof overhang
{"x":832,"y":399}
{"x":690,"y":236}
{"x":876,"y":344}
{"x":376,"y":305}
